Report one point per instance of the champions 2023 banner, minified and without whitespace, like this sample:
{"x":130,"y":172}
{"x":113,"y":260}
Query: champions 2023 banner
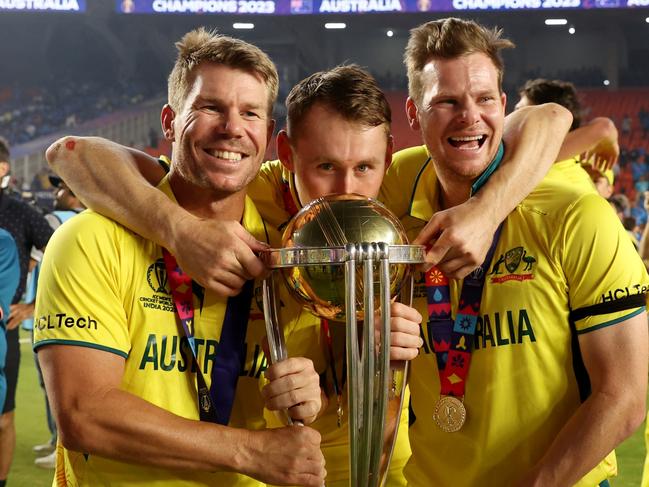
{"x":301,"y":7}
{"x":43,"y":5}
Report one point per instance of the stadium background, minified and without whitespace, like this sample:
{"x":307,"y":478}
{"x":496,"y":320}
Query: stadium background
{"x":103,"y":72}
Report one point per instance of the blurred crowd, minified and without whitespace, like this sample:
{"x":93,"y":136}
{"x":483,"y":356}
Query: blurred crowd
{"x":28,"y":112}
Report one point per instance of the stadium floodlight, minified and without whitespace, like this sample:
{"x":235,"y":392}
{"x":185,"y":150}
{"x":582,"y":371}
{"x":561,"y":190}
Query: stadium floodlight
{"x":335,"y":25}
{"x":647,"y":20}
{"x":243,"y":25}
{"x":556,"y":21}
{"x":606,"y":82}
{"x":571,"y":30}
{"x":389,"y":33}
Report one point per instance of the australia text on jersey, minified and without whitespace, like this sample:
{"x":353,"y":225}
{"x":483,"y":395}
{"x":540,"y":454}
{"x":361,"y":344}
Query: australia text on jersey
{"x":166,"y":353}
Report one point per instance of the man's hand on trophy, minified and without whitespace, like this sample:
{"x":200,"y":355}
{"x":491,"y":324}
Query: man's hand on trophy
{"x":295,"y":386}
{"x":457,"y":239}
{"x":284,"y":456}
{"x":405,"y":335}
{"x":219,"y":255}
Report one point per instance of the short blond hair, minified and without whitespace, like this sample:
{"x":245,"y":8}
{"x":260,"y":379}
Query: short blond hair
{"x":447,"y":39}
{"x":200,"y":46}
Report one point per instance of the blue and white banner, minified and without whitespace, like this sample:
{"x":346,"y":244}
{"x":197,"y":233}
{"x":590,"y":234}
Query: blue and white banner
{"x":297,"y":7}
{"x":43,"y":5}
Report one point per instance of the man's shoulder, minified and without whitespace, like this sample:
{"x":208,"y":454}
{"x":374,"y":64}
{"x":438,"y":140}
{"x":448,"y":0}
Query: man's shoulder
{"x":399,"y":185}
{"x":556,"y":195}
{"x":406,"y":166}
{"x":90,"y":225}
{"x":412,"y":155}
{"x":267,"y":193}
{"x":570,"y":172}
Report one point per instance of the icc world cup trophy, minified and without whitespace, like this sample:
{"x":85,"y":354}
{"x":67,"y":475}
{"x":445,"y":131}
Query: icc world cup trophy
{"x":325,"y":246}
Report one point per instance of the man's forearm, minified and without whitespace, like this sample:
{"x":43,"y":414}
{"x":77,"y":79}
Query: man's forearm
{"x":533,"y":137}
{"x":123,"y":427}
{"x":601,"y":423}
{"x":616,"y":360}
{"x":94,"y":415}
{"x":107,"y":178}
{"x":582,"y":139}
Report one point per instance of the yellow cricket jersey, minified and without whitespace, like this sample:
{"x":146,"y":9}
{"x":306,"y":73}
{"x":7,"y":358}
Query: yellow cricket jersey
{"x":526,"y":377}
{"x":572,"y":172}
{"x":270,"y":190}
{"x":104,"y":287}
{"x":304,"y":338}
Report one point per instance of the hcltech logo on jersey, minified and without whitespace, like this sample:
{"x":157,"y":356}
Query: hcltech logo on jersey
{"x":63,"y":320}
{"x":156,"y":277}
{"x":517,"y":262}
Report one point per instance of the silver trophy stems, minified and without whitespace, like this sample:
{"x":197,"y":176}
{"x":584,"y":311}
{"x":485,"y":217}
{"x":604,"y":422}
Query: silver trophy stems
{"x":274,"y":332}
{"x":368,"y":359}
{"x":383,"y":367}
{"x":405,"y":296}
{"x":375,"y":392}
{"x":353,"y":360}
{"x":273,"y":329}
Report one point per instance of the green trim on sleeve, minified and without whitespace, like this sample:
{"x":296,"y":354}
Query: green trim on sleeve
{"x":80,"y":344}
{"x":613,"y":322}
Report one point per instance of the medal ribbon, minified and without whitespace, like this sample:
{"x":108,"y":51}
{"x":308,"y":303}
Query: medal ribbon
{"x":213,"y":407}
{"x":453,"y":338}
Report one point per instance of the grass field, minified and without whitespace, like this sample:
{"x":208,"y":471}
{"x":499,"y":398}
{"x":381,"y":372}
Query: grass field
{"x":32,"y":429}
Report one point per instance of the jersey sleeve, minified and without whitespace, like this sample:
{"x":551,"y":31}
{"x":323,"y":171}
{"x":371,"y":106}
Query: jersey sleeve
{"x":401,"y":178}
{"x":79,"y":295}
{"x":607,"y":281}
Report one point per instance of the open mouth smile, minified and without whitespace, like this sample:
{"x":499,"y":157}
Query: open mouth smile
{"x":469,"y":142}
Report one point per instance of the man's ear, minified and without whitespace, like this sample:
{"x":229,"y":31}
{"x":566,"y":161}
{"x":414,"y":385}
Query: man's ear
{"x":167,"y":117}
{"x":284,"y":150}
{"x":412,"y":113}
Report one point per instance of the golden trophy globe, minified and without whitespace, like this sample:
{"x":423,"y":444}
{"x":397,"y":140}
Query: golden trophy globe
{"x":325,"y":246}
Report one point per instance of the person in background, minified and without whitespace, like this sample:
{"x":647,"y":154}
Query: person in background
{"x":29,"y":229}
{"x":66,"y":205}
{"x":9,"y":277}
{"x":593,"y":145}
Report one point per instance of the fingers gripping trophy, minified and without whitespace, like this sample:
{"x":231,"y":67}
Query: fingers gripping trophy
{"x":345,"y":257}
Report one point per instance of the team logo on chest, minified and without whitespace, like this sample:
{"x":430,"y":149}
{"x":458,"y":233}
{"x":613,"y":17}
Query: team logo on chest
{"x":156,"y":278}
{"x":517,"y":261}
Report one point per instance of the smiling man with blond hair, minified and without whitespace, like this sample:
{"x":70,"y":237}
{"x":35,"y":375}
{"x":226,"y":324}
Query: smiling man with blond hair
{"x":152,"y":378}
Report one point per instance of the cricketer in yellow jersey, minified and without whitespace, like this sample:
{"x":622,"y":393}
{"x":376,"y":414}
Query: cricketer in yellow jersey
{"x":557,"y":377}
{"x":356,"y":163}
{"x":107,"y":326}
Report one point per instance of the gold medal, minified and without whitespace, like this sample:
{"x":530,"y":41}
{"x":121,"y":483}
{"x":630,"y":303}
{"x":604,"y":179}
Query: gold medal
{"x":450,"y":414}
